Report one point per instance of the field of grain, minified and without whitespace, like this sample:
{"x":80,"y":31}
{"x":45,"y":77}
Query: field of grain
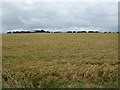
{"x":60,"y":60}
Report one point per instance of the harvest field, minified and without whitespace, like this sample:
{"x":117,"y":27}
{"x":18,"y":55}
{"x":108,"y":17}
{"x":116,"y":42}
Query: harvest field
{"x":60,"y":60}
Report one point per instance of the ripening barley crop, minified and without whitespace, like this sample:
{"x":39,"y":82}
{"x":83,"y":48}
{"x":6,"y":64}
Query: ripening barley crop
{"x":62,"y":60}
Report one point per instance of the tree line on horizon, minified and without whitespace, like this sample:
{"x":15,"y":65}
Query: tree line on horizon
{"x":43,"y":31}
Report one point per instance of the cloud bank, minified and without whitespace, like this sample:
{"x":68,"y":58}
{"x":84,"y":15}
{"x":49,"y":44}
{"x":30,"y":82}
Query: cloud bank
{"x":64,"y":16}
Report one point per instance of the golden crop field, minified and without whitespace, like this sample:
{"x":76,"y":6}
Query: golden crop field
{"x":60,"y":60}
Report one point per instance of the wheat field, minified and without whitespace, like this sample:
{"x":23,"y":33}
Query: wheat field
{"x":60,"y":60}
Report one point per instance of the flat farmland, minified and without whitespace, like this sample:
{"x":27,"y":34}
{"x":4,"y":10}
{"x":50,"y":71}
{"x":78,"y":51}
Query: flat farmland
{"x":60,"y":60}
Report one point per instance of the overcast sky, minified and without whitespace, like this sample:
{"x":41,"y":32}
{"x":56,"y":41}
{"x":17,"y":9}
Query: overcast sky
{"x":64,"y":16}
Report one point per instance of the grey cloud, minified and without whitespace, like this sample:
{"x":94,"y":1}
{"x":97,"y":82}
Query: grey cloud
{"x":64,"y":16}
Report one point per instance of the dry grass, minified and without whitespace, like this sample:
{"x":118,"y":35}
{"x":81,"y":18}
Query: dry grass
{"x":60,"y":60}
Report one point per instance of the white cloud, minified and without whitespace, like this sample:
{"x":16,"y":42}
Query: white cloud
{"x":29,"y":1}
